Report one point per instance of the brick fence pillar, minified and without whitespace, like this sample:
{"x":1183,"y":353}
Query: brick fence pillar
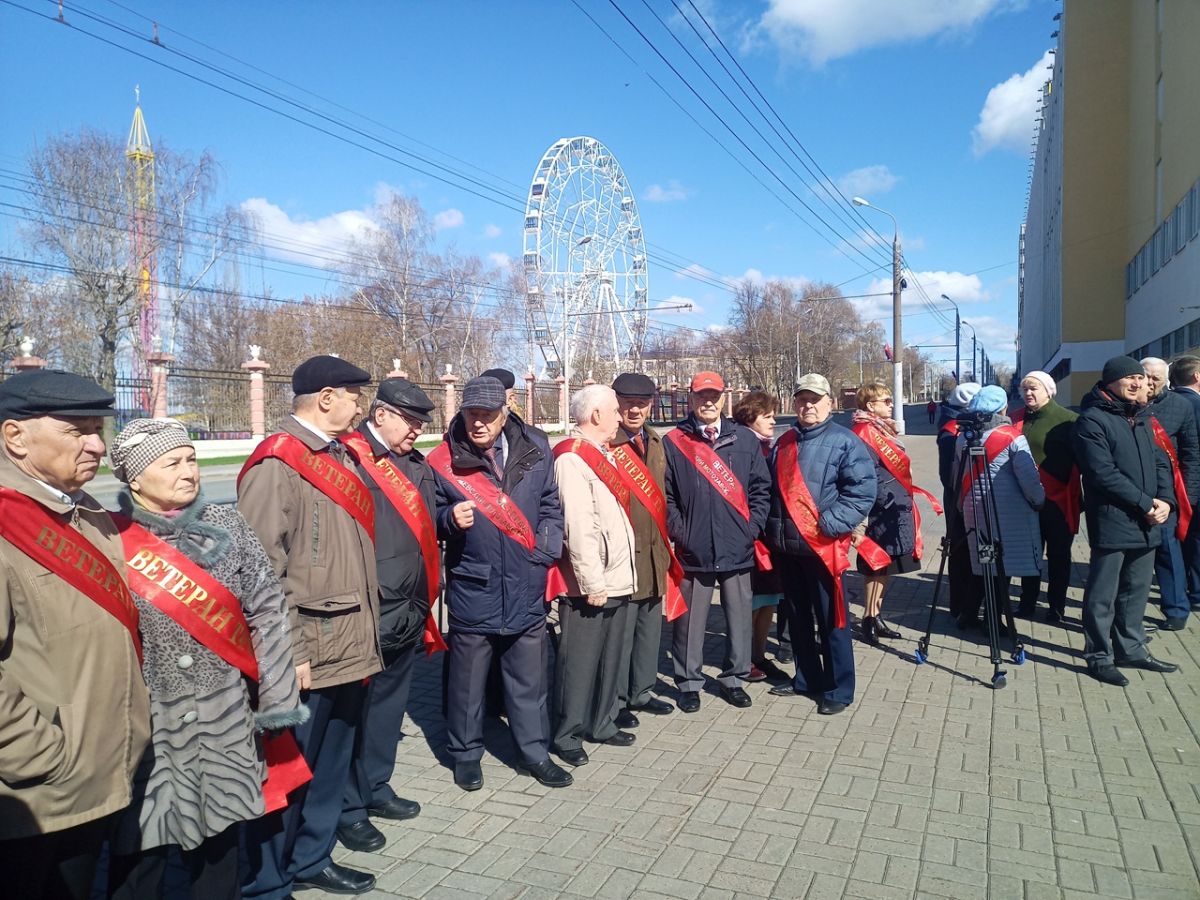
{"x":530,"y":412}
{"x":258,"y":394}
{"x":563,"y":401}
{"x":159,"y":366}
{"x":451,"y":401}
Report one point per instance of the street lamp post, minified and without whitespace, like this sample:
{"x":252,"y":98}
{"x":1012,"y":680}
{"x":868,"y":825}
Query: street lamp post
{"x":957,"y":340}
{"x":897,"y":345}
{"x":974,"y":374}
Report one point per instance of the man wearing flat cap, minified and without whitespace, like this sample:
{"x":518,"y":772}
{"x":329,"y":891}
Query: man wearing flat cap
{"x":406,"y":552}
{"x":1127,"y":495}
{"x":718,"y":493}
{"x":498,"y":511}
{"x":315,"y":516}
{"x":74,"y":710}
{"x":638,"y":450}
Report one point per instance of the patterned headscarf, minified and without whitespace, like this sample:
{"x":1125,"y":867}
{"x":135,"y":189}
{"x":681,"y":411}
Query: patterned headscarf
{"x":143,"y":441}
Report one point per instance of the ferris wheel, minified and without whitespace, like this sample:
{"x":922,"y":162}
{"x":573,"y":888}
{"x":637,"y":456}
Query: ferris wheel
{"x":585,"y":261}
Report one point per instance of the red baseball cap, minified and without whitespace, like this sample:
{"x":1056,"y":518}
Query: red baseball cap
{"x":706,"y":381}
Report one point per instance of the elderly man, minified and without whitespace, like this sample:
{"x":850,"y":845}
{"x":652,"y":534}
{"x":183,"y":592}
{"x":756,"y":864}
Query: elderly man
{"x":1127,"y":495}
{"x":638,"y":452}
{"x":74,"y":711}
{"x":314,"y":515}
{"x":1173,"y":424}
{"x":404,"y":492}
{"x":598,"y":568}
{"x":1047,"y":428}
{"x":1185,"y":382}
{"x":824,"y":486}
{"x":499,"y":513}
{"x":718,"y":494}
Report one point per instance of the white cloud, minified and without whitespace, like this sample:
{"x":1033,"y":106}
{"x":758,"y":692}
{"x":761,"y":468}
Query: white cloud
{"x":301,"y":239}
{"x":818,"y":30}
{"x":672,"y":193}
{"x":447,"y":219}
{"x":499,"y":260}
{"x":1006,"y":120}
{"x":867,"y":181}
{"x":963,"y":289}
{"x":491,"y":231}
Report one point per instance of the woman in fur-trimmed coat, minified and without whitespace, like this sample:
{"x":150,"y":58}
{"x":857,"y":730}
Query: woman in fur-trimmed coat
{"x":203,"y":773}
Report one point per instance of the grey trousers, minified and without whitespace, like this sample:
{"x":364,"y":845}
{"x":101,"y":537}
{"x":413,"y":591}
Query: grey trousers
{"x":588,"y":670}
{"x":1114,"y":602}
{"x":643,"y":635}
{"x":687,"y":639}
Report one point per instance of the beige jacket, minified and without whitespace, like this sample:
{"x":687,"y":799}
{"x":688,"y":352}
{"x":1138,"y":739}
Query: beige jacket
{"x":597,"y":537}
{"x":326,"y":562}
{"x":74,"y":711}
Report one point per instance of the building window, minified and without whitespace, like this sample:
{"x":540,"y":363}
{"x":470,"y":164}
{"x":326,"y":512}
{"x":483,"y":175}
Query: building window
{"x":1158,"y":191}
{"x":1164,"y":348}
{"x":1180,"y":339}
{"x":1129,"y":279}
{"x":1193,"y":334}
{"x":1178,"y":226}
{"x":1194,"y":194}
{"x":1166,"y":239}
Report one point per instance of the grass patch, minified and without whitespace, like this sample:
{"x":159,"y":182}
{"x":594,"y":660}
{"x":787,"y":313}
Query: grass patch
{"x":105,"y":469}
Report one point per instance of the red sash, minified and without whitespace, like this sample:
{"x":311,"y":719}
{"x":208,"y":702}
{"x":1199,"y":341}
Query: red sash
{"x":61,"y":549}
{"x":1185,"y":505}
{"x":996,"y":443}
{"x":404,"y":496}
{"x":190,"y":595}
{"x":626,"y":479}
{"x":1066,"y":495}
{"x":833,"y":552}
{"x":950,"y":426}
{"x":322,"y":471}
{"x":899,"y":466}
{"x":497,"y":507}
{"x":209,"y":612}
{"x":701,"y":454}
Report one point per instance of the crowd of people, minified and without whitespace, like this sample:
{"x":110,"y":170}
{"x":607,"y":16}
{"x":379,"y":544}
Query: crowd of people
{"x":221,"y":689}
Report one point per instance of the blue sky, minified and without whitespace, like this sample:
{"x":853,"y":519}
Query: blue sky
{"x":924,"y":106}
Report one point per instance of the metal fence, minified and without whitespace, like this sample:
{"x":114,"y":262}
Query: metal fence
{"x":213,"y":404}
{"x":133,"y":400}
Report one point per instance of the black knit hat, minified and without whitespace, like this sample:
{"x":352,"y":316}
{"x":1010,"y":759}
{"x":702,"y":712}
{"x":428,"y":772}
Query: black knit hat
{"x":1120,"y":367}
{"x":322,"y":372}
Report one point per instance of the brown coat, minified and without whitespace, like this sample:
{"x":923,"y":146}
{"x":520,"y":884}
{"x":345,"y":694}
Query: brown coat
{"x":326,"y":562}
{"x":74,"y":711}
{"x":651,"y":559}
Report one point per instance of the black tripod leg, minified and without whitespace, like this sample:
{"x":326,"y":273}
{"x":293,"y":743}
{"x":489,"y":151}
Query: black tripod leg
{"x":999,"y":677}
{"x":1018,"y":654}
{"x":922,"y":651}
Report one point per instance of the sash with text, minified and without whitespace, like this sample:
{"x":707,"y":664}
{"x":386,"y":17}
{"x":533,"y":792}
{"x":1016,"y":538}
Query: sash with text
{"x":899,"y":466}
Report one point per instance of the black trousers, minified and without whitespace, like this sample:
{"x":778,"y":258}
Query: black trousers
{"x":643,"y":638}
{"x":523,"y":674}
{"x":211,"y":870}
{"x":588,"y":670}
{"x":378,"y":734}
{"x":975,"y":601}
{"x":1057,"y":539}
{"x":959,"y":577}
{"x":56,"y":866}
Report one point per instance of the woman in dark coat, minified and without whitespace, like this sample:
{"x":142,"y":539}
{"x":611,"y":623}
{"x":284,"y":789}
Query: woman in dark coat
{"x":203,"y":773}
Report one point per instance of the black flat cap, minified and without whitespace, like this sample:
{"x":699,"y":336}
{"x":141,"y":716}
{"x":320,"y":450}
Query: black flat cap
{"x":505,"y":377}
{"x":406,"y":397}
{"x":484,"y":392}
{"x":322,"y":372}
{"x":634,"y":384}
{"x":53,"y":392}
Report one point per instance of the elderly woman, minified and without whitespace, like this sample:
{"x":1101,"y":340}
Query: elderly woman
{"x":217,"y":660}
{"x":1013,"y":490}
{"x":891,"y":524}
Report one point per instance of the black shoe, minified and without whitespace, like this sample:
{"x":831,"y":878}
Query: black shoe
{"x":1150,"y":664}
{"x":1053,"y":617}
{"x":830,"y":707}
{"x":361,"y":836}
{"x":689,"y":701}
{"x":1174,"y":623}
{"x":575,"y":758}
{"x":397,"y":808}
{"x":1109,"y":675}
{"x":1025,"y":612}
{"x":335,"y":879}
{"x":551,"y":774}
{"x":655,"y":707}
{"x":618,"y":739}
{"x":967,"y":620}
{"x":773,"y":672}
{"x":883,"y":630}
{"x":785,"y":655}
{"x":626,"y":719}
{"x":784,"y":690}
{"x":735,"y":696}
{"x":866,"y":631}
{"x":468,"y":775}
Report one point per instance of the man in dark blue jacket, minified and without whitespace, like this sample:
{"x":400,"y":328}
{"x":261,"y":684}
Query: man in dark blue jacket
{"x":839,"y":473}
{"x":499,"y":513}
{"x":718,"y":492}
{"x":1185,"y":381}
{"x":1127,"y":495}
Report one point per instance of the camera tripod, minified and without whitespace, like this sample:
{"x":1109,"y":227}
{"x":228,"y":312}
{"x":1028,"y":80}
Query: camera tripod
{"x":989,"y":550}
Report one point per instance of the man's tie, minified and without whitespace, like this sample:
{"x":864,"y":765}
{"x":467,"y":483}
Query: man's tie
{"x":639,"y":444}
{"x":496,"y":458}
{"x":710,"y":432}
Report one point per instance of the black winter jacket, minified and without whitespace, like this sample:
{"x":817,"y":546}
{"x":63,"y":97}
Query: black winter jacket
{"x":403,"y":600}
{"x":1123,"y":472}
{"x":708,"y":533}
{"x":1178,"y":419}
{"x":493,"y":584}
{"x":840,"y":474}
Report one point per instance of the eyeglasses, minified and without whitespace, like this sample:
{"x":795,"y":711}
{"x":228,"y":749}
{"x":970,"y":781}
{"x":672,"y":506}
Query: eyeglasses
{"x":888,"y":400}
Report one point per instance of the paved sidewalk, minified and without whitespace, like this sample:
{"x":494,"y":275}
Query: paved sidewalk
{"x":931,"y":785}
